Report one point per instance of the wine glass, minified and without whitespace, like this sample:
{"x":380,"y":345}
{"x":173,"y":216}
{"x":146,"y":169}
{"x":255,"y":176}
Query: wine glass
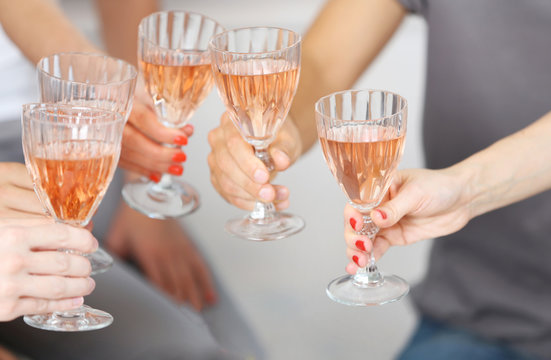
{"x":92,"y":80}
{"x":175,"y":65}
{"x":256,"y":71}
{"x":362,"y":134}
{"x":71,"y":153}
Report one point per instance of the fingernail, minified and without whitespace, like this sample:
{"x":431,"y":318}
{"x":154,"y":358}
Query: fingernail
{"x":282,"y":193}
{"x":356,"y":260}
{"x":261,"y":176}
{"x":382,"y":213}
{"x":155,"y":177}
{"x":180,"y":140}
{"x":360,"y":245}
{"x":281,"y":154}
{"x":179,"y":157}
{"x":353,"y":223}
{"x":190,"y":127}
{"x":78,"y":301}
{"x":91,"y":284}
{"x":266,"y":193}
{"x":175,"y":169}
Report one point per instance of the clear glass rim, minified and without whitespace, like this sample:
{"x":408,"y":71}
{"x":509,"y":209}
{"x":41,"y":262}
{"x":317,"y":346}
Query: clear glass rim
{"x":101,"y":113}
{"x":213,"y":47}
{"x":132,"y":77}
{"x":157,"y":13}
{"x":357,"y":91}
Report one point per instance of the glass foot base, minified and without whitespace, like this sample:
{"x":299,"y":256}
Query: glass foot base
{"x":343,"y":290}
{"x":282,"y":225}
{"x":100,"y":260}
{"x":159,"y":202}
{"x":83,"y":318}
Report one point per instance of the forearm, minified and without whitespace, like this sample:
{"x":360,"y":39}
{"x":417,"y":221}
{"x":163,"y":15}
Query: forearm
{"x":39,"y":28}
{"x":512,"y":169}
{"x":120,"y":20}
{"x":344,"y":39}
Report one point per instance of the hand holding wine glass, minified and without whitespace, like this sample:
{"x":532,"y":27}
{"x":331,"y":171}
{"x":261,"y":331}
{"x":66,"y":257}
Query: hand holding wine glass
{"x":420,"y":204}
{"x":362,"y":135}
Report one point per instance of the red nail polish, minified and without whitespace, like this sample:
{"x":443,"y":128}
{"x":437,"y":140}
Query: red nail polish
{"x":353,"y":223}
{"x":382,"y":213}
{"x":155,"y":177}
{"x":179,"y":157}
{"x":355,"y":259}
{"x":360,"y":245}
{"x":175,"y":169}
{"x":180,"y":140}
{"x":210,"y":298}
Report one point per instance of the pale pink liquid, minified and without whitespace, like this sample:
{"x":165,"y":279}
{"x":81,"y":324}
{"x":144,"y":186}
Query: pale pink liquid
{"x":258,"y":95}
{"x":72,"y":177}
{"x":363,"y":159}
{"x":177,"y":90}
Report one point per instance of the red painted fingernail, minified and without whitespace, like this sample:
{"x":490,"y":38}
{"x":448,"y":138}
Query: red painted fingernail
{"x":353,"y":223}
{"x":155,"y":177}
{"x":355,"y":259}
{"x":175,"y":169}
{"x":382,"y":213}
{"x":211,"y":298}
{"x":180,"y":140}
{"x":179,"y":157}
{"x":360,"y":245}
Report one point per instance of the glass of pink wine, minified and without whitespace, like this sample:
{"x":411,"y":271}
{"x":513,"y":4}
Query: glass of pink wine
{"x":175,"y":66}
{"x":90,"y":80}
{"x":71,"y":153}
{"x":256,"y":71}
{"x":362,"y":134}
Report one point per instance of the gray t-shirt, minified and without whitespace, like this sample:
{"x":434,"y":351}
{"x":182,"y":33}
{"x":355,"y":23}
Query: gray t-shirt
{"x":489,"y":75}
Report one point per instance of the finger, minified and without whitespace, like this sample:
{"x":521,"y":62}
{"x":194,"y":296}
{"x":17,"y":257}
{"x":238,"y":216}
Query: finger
{"x":26,"y":221}
{"x":57,"y":263}
{"x":360,"y":258}
{"x":286,"y":148}
{"x":55,"y":287}
{"x":153,"y":269}
{"x":243,"y":154}
{"x":16,"y":174}
{"x":59,"y":236}
{"x":353,"y":218}
{"x":20,"y":199}
{"x":357,"y":242}
{"x":203,"y":279}
{"x":145,"y":120}
{"x":14,"y":214}
{"x":27,"y":306}
{"x":187,"y":287}
{"x":238,"y":202}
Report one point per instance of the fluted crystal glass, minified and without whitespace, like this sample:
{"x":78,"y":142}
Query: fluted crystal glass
{"x":93,"y":80}
{"x":362,"y":135}
{"x":71,"y":153}
{"x":256,"y":71}
{"x":175,"y":66}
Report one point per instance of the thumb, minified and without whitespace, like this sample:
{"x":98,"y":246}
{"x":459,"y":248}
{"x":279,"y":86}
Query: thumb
{"x":287,"y":146}
{"x":395,"y":209}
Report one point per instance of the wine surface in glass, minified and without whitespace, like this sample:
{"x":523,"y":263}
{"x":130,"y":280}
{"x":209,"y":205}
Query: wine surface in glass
{"x":363,"y":159}
{"x":258,"y":95}
{"x":74,"y":176}
{"x":177,"y":90}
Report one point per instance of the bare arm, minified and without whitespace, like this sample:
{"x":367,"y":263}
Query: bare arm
{"x":25,"y":23}
{"x":120,"y":20}
{"x":344,"y":39}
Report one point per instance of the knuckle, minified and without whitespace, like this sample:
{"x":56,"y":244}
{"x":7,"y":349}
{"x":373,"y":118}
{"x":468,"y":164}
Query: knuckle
{"x":7,"y":310}
{"x":62,"y":263}
{"x":41,"y":306}
{"x":211,"y":137}
{"x":234,"y":141}
{"x":13,"y":264}
{"x":58,"y":288}
{"x":8,"y":289}
{"x":11,"y":236}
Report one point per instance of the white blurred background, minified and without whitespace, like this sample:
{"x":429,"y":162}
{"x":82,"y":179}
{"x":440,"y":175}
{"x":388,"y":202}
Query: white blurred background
{"x":280,"y":286}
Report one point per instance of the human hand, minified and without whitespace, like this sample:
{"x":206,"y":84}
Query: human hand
{"x":35,"y":277}
{"x":420,"y":204}
{"x":143,"y":138}
{"x":165,"y":254}
{"x":17,"y":196}
{"x":239,"y":176}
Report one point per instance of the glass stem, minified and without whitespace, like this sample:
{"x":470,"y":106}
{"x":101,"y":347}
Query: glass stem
{"x":263,"y":212}
{"x":369,"y":275}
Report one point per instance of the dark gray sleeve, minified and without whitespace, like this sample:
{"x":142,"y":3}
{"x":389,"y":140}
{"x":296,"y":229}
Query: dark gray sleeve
{"x":415,"y":6}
